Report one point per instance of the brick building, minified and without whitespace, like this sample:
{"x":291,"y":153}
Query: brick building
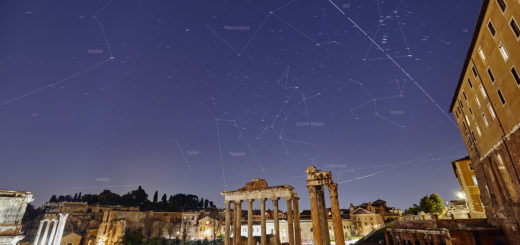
{"x":486,"y":106}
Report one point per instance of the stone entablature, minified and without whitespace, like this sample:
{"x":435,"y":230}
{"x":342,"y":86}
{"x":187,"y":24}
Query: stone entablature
{"x":284,"y":191}
{"x":12,"y":209}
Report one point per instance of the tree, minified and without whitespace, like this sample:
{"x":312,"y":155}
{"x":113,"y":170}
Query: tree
{"x":155,"y":196}
{"x":428,"y":204}
{"x":216,"y":223}
{"x":148,"y":228}
{"x":171,"y":226}
{"x":185,"y":228}
{"x":109,"y":198}
{"x":164,"y":200}
{"x":132,"y":237}
{"x":432,"y":204}
{"x":53,"y":199}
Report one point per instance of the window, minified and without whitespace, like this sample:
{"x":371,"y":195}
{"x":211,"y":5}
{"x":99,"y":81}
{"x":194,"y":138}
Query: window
{"x":514,"y":27}
{"x":465,"y":97}
{"x":491,"y":111}
{"x":460,"y":104}
{"x":474,"y":71}
{"x":473,"y":136}
{"x":491,"y":28}
{"x":478,"y":130}
{"x":467,"y":120}
{"x":470,"y":84}
{"x":464,"y":124}
{"x":470,"y":166}
{"x":502,"y":99}
{"x":482,"y":91}
{"x":477,"y":101}
{"x":502,"y":5}
{"x":515,"y":75}
{"x":485,"y":120}
{"x":474,"y":180}
{"x":501,"y":165}
{"x":482,"y":56}
{"x":491,"y":76}
{"x":470,"y":111}
{"x":503,"y":51}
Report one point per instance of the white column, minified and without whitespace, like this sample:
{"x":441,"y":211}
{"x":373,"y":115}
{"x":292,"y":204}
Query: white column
{"x":46,"y":232}
{"x":38,"y":233}
{"x":53,"y":232}
{"x":61,"y":226}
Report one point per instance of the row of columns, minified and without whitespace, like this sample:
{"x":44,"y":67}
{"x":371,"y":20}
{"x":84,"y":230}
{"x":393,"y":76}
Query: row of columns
{"x":427,"y":237}
{"x":319,"y":215}
{"x":56,"y":233}
{"x":293,"y":222}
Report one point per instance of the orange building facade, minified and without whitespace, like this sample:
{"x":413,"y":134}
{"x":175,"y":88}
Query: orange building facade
{"x":486,"y":106}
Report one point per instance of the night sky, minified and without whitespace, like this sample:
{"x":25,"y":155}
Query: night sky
{"x":199,"y":96}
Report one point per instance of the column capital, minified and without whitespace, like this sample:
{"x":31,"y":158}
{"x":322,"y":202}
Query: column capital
{"x":333,"y":187}
{"x":275,"y":198}
{"x":250,"y":200}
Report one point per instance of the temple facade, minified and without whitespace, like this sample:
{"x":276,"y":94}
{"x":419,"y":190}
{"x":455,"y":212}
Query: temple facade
{"x":258,"y":190}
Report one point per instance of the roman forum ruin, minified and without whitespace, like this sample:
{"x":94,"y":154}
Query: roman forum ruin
{"x":316,"y":180}
{"x":259,"y":190}
{"x":57,"y":224}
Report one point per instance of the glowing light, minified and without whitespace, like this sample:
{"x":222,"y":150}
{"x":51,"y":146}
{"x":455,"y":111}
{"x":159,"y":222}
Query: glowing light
{"x":461,"y":195}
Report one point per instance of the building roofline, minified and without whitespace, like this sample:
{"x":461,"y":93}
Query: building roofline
{"x":462,"y":159}
{"x":476,"y":33}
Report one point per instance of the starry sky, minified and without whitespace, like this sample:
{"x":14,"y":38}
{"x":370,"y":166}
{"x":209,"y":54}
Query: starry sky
{"x":202,"y":96}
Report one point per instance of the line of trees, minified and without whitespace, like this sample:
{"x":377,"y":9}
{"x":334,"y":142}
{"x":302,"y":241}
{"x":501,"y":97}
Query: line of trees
{"x":138,"y":197}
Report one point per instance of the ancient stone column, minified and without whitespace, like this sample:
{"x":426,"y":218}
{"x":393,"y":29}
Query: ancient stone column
{"x":394,"y":238}
{"x":228,"y":221}
{"x":324,"y":216}
{"x":61,"y":227}
{"x":53,"y":232}
{"x":46,"y":232}
{"x":238,"y":222}
{"x":435,"y":239}
{"x":297,"y":229}
{"x":262,"y":222}
{"x":250,"y":222}
{"x":315,"y":216}
{"x":421,"y":239}
{"x":290,"y":226}
{"x":276,"y":222}
{"x":339,"y":236}
{"x":38,"y":233}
